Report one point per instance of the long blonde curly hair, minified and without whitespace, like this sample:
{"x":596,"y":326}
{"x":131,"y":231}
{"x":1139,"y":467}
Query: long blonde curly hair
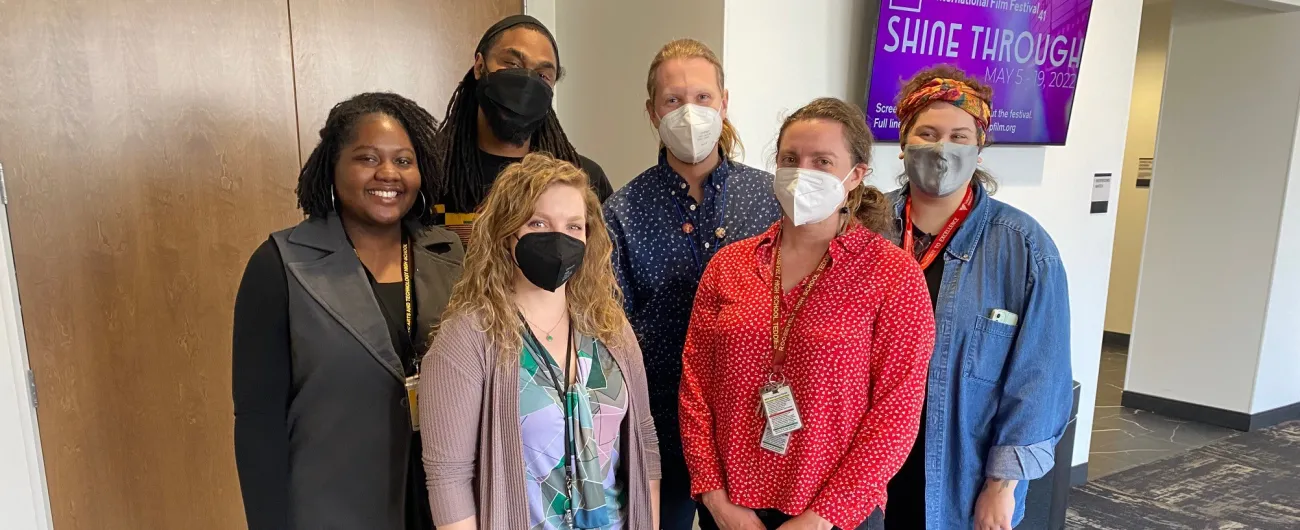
{"x":485,"y":290}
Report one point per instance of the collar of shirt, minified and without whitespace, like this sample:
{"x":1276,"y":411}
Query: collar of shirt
{"x":855,"y":240}
{"x":675,"y":182}
{"x":963,"y":242}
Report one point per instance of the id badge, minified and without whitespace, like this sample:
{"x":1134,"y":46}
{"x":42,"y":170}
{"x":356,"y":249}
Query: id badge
{"x":413,"y":400}
{"x":775,"y":443}
{"x":780,"y":410}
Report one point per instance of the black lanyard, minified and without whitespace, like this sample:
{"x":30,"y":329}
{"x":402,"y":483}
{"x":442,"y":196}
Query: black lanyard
{"x":406,"y":339}
{"x":562,"y":388}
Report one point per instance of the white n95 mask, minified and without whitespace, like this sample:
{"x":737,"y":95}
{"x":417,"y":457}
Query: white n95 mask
{"x":691,"y":132}
{"x":808,"y":195}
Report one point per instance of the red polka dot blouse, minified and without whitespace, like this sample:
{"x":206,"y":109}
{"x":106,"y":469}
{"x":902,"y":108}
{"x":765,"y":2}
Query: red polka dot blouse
{"x":856,"y":362}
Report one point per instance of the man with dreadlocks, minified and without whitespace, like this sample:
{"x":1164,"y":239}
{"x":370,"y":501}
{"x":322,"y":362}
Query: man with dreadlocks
{"x":500,"y":112}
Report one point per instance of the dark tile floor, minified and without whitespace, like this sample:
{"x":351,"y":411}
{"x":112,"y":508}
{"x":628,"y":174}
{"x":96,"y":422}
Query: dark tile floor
{"x":1123,"y":437}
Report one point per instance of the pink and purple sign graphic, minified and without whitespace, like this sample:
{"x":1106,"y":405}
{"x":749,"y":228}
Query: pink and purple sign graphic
{"x":1027,"y":50}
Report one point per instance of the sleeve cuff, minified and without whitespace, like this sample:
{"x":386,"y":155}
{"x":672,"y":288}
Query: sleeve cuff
{"x":704,"y":484}
{"x":451,"y":505}
{"x":842,"y":516}
{"x":653,"y":467}
{"x":1020,"y":462}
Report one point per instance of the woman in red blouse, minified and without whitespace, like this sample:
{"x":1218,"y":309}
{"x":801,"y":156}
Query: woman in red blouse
{"x":848,"y":345}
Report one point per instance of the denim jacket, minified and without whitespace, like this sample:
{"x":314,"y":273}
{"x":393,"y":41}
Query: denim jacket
{"x":999,"y":395}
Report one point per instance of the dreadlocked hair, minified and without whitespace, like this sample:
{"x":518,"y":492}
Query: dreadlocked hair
{"x":316,"y":180}
{"x":458,"y":145}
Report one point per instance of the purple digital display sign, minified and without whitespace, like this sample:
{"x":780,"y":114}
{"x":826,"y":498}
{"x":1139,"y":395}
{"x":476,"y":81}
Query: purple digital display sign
{"x":1028,"y":51}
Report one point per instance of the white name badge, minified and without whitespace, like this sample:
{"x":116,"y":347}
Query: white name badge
{"x":780,"y":410}
{"x":778,"y":444}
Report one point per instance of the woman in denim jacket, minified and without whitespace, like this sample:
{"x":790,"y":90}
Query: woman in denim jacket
{"x":999,"y":390}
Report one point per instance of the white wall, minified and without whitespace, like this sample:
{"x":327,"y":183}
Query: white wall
{"x":606,"y":47}
{"x":1275,"y":5}
{"x":780,"y":55}
{"x":543,"y":11}
{"x":1278,"y":381}
{"x":1212,"y":232}
{"x":1144,"y":113}
{"x":24,"y":502}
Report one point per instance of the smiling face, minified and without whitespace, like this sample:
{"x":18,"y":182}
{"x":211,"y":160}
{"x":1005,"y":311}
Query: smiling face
{"x":376,"y":179}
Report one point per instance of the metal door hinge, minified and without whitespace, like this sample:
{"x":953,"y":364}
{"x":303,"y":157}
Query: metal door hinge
{"x":31,"y":387}
{"x":4,"y":190}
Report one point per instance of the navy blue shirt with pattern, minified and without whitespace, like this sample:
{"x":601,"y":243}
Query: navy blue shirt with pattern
{"x":659,"y":264}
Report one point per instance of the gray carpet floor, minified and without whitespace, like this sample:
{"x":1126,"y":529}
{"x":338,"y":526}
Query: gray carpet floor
{"x":1250,"y":481}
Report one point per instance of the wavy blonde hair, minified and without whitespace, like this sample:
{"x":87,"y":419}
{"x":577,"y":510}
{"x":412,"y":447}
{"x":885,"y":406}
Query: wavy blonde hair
{"x":729,"y":142}
{"x":486,"y":288}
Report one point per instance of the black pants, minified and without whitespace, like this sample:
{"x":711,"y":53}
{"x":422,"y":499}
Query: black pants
{"x":772,"y":519}
{"x":676,"y":507}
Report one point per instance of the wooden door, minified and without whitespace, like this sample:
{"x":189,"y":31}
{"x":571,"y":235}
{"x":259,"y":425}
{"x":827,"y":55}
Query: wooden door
{"x":148,"y":148}
{"x":417,"y":48}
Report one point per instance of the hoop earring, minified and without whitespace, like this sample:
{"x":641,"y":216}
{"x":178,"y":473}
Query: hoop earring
{"x":334,"y":199}
{"x":426,"y":208}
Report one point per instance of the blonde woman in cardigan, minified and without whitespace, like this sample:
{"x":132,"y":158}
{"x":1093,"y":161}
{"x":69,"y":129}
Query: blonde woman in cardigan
{"x":534,"y":402}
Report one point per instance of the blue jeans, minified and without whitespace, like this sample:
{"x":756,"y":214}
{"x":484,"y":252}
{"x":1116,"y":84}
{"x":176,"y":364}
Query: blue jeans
{"x":676,"y":507}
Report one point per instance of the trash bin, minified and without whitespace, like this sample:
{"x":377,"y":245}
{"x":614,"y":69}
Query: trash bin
{"x":1048,"y":496}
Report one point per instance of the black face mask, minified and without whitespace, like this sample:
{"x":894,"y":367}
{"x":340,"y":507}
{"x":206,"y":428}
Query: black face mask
{"x":549,"y":259}
{"x":515,"y":102}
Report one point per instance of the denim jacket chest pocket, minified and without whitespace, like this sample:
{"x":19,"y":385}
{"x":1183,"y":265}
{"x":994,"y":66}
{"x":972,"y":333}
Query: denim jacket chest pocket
{"x":988,"y":343}
{"x":986,"y":285}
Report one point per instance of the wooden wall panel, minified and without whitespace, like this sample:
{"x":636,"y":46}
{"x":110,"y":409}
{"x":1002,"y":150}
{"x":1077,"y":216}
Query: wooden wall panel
{"x":149,"y":147}
{"x":418,"y":48}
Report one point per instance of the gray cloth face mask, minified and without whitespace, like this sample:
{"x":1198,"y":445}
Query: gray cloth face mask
{"x":940,"y":169}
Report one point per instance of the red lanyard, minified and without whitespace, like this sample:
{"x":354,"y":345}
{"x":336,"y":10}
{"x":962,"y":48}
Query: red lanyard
{"x":780,"y":335}
{"x":909,"y":244}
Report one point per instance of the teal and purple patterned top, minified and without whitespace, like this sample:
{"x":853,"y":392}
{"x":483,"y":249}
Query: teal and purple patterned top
{"x":599,"y":401}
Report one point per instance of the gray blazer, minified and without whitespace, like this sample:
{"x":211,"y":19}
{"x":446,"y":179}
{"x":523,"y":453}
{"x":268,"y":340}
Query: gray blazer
{"x":349,"y":430}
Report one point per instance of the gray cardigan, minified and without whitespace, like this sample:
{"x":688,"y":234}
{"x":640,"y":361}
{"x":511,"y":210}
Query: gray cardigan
{"x":473,"y":454}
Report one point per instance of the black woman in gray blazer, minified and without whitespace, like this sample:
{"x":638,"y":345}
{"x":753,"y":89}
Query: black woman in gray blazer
{"x":331,"y":320}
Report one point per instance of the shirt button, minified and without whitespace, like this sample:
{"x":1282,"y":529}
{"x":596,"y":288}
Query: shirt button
{"x":682,"y":185}
{"x":692,"y":207}
{"x":706,"y":244}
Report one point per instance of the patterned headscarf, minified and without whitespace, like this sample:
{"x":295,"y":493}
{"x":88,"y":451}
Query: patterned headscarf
{"x":952,"y":91}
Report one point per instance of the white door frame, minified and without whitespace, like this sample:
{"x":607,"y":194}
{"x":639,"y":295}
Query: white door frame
{"x":24,"y":497}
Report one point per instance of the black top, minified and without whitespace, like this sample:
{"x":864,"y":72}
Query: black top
{"x":392,"y":301}
{"x":490,"y":164}
{"x":262,"y":386}
{"x":906,"y":510}
{"x":261,"y":382}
